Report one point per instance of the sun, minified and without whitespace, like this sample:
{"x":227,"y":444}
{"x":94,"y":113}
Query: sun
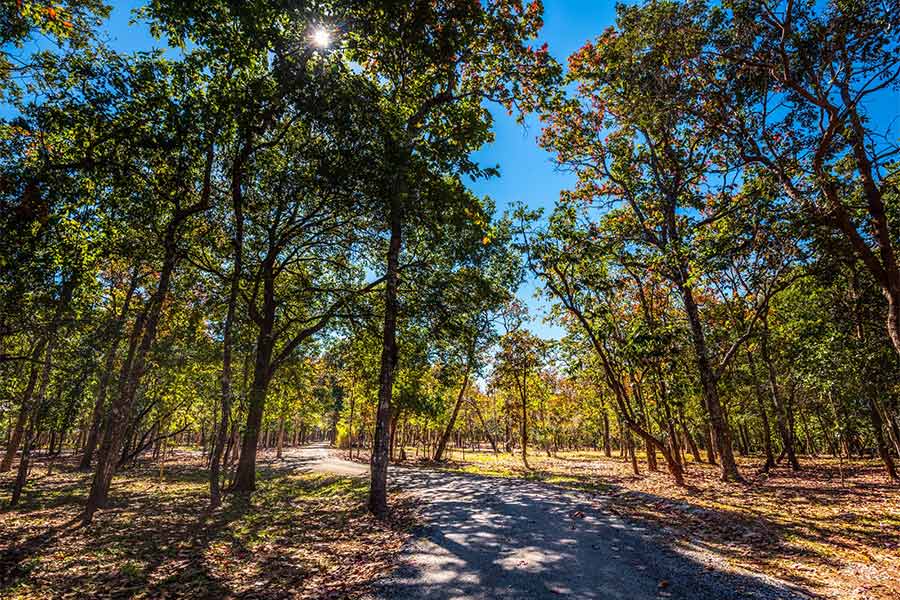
{"x":321,"y":37}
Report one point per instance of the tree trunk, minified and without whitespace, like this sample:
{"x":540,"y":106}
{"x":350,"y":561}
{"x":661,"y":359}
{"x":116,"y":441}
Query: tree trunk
{"x":882,"y":447}
{"x":226,"y":400}
{"x":395,"y":416}
{"x":710,"y":443}
{"x":648,"y":444}
{"x":782,"y":419}
{"x":767,"y":431}
{"x":507,"y":425}
{"x":524,"y":398}
{"x":885,"y":271}
{"x":34,"y":411}
{"x":709,"y":384}
{"x":893,"y":429}
{"x":442,"y":444}
{"x":629,"y":448}
{"x":675,"y":469}
{"x":24,"y":408}
{"x":491,"y":439}
{"x":350,"y":424}
{"x":677,"y":450}
{"x":745,"y":439}
{"x":34,"y":423}
{"x":245,"y":476}
{"x":607,"y":442}
{"x":380,"y":448}
{"x":279,"y":439}
{"x":695,"y":451}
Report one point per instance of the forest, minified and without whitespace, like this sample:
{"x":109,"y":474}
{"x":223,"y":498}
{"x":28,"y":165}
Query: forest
{"x":246,"y":268}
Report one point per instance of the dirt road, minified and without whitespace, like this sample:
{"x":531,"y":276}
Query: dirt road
{"x":488,"y":537}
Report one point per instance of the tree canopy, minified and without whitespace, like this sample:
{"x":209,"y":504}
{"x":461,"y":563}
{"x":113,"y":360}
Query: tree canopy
{"x":264,"y":233}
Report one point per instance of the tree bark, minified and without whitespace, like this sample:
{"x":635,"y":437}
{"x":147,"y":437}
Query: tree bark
{"x":245,"y":476}
{"x":442,"y":444}
{"x":782,"y":419}
{"x":395,"y":417}
{"x":380,"y":448}
{"x":709,"y":383}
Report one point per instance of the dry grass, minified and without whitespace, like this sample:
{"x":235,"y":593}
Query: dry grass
{"x":298,"y":536}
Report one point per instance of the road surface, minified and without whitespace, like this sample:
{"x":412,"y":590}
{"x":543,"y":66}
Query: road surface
{"x":318,"y":458}
{"x":488,"y":537}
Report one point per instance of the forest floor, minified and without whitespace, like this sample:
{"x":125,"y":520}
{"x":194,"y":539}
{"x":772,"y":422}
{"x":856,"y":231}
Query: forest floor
{"x":301,"y":535}
{"x":575,"y":525}
{"x":833,"y":537}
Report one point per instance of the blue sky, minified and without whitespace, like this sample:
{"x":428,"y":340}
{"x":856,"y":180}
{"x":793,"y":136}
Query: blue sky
{"x":527,"y":173}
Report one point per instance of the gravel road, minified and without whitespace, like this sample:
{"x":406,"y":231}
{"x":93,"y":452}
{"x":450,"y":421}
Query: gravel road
{"x":488,"y":537}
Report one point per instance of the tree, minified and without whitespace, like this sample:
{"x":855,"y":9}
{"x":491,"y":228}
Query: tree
{"x":434,"y":64}
{"x":173,"y":93}
{"x":794,"y":94}
{"x":69,"y":22}
{"x":579,"y":274}
{"x":521,"y":355}
{"x":641,"y":154}
{"x":305,"y":222}
{"x":465,"y":306}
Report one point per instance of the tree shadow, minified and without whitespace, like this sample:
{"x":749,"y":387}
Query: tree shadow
{"x":159,"y":540}
{"x":493,"y":537}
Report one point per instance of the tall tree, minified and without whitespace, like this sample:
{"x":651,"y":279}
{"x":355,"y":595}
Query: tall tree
{"x":520,"y":357}
{"x":792,"y":86}
{"x":176,"y":149}
{"x":435,"y":63}
{"x":632,"y":137}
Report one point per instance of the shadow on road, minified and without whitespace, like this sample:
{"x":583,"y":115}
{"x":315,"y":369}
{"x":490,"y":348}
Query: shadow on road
{"x":499,"y":538}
